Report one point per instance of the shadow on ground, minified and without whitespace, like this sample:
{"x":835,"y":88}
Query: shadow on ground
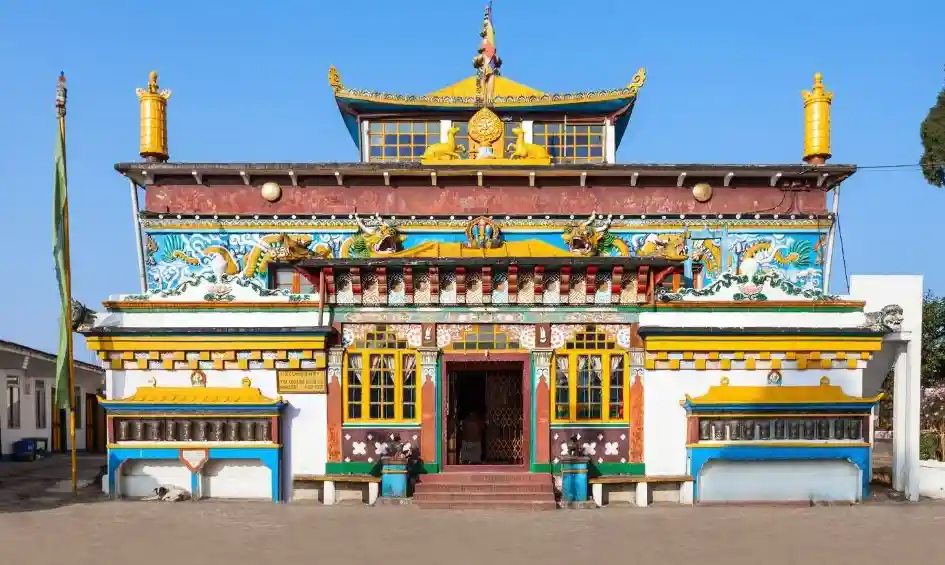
{"x":46,"y":483}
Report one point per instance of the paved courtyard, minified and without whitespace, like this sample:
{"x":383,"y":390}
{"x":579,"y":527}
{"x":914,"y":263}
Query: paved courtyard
{"x":253,"y":533}
{"x":40,"y":523}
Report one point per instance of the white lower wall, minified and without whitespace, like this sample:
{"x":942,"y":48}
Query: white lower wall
{"x":140,"y":477}
{"x":779,"y":481}
{"x":664,"y":420}
{"x":305,"y":437}
{"x":236,"y":479}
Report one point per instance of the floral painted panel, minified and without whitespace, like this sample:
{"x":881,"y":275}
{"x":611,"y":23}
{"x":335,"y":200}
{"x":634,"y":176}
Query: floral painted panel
{"x":602,"y":445}
{"x":367,"y":445}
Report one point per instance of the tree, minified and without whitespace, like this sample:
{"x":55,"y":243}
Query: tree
{"x":932,"y":132}
{"x":933,"y":340}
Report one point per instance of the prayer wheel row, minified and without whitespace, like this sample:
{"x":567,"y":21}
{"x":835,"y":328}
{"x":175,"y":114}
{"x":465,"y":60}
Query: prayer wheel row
{"x":781,"y":429}
{"x":202,"y":429}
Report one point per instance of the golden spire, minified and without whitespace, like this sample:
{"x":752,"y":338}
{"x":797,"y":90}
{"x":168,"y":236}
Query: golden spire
{"x":153,"y":120}
{"x":817,"y":122}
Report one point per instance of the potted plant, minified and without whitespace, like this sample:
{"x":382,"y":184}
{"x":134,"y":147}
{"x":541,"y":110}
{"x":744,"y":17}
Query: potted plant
{"x":394,"y":467}
{"x":932,"y":444}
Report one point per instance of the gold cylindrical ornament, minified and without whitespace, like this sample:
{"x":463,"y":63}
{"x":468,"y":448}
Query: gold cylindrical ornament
{"x":817,"y":122}
{"x":153,"y":120}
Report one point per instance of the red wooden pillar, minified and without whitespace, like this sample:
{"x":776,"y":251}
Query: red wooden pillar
{"x":335,"y":408}
{"x":542,"y":407}
{"x":636,"y":416}
{"x":428,"y":436}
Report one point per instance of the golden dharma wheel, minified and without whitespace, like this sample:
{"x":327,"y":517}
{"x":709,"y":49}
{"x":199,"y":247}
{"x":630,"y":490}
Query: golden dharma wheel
{"x":485,"y":128}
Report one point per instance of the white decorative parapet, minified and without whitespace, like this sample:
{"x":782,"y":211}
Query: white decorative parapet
{"x":759,"y":287}
{"x":211,"y":287}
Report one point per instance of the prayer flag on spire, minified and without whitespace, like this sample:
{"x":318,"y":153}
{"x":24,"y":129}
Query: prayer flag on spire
{"x":488,"y":41}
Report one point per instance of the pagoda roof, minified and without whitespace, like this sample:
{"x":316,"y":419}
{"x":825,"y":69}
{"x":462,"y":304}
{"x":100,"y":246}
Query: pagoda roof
{"x":205,"y":395}
{"x":504,"y":87}
{"x":725,"y":395}
{"x":510,"y":95}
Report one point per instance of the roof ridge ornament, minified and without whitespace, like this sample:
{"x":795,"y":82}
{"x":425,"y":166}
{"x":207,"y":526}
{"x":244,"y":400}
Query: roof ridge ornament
{"x":487,"y":62}
{"x":334,"y":79}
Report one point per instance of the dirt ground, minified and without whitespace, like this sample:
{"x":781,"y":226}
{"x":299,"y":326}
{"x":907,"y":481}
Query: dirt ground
{"x":40,"y":523}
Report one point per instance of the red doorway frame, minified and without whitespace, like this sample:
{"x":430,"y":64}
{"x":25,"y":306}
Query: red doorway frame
{"x":488,"y":361}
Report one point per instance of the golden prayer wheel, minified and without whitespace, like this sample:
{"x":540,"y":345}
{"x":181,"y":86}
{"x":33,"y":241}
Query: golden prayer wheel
{"x":817,"y":122}
{"x":153,"y":120}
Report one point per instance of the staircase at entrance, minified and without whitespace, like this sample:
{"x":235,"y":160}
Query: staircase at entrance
{"x":485,"y":489}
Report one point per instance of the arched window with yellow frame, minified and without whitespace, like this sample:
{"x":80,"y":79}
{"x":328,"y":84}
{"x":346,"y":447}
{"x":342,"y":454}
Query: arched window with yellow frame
{"x":590,"y":380}
{"x":380,"y":380}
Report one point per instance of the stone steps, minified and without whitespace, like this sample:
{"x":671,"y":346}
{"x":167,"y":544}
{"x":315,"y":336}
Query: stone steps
{"x":487,"y":490}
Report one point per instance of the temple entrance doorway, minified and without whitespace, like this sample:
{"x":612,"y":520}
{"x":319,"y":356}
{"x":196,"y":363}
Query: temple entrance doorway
{"x":485,"y":402}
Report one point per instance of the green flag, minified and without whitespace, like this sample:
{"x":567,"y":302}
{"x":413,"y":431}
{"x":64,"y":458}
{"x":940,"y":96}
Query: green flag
{"x":61,"y":254}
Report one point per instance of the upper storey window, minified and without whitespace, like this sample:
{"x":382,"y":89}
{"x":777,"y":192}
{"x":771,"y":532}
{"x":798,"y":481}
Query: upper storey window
{"x":571,"y":143}
{"x":401,"y":141}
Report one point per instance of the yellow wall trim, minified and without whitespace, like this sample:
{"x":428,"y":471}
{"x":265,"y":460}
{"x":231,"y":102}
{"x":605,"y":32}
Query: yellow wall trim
{"x":215,"y":360}
{"x":712,"y":344}
{"x":203,"y":343}
{"x":760,"y":361}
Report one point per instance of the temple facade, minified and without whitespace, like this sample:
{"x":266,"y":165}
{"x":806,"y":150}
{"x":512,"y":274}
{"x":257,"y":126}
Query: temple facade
{"x":489,"y":292}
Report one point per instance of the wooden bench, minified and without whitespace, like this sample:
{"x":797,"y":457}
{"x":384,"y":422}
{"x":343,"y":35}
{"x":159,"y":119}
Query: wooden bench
{"x":334,"y":485}
{"x":642,"y":482}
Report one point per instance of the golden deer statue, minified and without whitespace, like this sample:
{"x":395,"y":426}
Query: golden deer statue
{"x":445,"y":151}
{"x":522,"y":150}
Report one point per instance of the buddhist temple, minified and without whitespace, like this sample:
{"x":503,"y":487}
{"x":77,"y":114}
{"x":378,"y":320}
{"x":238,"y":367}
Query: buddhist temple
{"x":488,"y":310}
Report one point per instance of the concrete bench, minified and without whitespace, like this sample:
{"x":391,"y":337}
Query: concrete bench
{"x":679,"y":485}
{"x":342,"y":488}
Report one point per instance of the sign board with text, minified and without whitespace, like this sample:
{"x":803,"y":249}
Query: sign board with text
{"x":302,"y":382}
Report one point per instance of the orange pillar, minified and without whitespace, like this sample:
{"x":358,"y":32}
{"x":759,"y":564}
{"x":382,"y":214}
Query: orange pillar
{"x":335,"y":408}
{"x":428,"y":435}
{"x":542,"y":404}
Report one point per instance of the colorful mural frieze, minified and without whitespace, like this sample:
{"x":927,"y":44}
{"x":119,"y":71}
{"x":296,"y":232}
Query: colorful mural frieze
{"x":173,"y":257}
{"x":759,"y":286}
{"x":797,"y":257}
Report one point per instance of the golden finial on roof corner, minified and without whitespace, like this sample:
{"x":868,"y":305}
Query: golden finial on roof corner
{"x":724,"y":381}
{"x":817,"y":103}
{"x":334,"y":78}
{"x":246,"y":382}
{"x":824,"y":381}
{"x":638,"y":80}
{"x":153,"y":102}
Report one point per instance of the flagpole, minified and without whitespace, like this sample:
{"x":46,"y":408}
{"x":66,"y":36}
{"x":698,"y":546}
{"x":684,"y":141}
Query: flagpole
{"x":67,"y":281}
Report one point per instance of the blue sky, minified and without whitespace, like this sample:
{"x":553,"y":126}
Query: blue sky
{"x":250,"y":84}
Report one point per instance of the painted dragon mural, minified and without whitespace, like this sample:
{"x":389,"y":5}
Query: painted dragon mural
{"x":173,"y":257}
{"x":593,"y":238}
{"x":376,"y":240}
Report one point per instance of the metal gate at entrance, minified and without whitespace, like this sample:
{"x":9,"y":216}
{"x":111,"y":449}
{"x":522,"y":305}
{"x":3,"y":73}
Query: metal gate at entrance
{"x":495,"y":395}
